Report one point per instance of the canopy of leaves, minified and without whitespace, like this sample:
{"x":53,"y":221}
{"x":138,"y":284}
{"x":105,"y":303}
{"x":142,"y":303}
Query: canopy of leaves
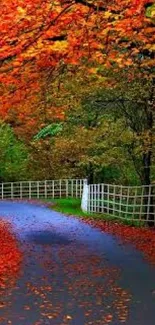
{"x":53,"y":54}
{"x":70,"y":31}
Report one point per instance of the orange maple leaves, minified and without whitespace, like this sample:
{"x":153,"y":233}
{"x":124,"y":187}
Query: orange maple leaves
{"x":142,"y":238}
{"x":70,"y":29}
{"x":10,"y":255}
{"x":39,"y":35}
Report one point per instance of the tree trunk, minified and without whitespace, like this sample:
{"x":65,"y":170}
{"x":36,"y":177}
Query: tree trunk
{"x":90,"y":173}
{"x":146,"y":176}
{"x":147,"y":181}
{"x":147,"y":160}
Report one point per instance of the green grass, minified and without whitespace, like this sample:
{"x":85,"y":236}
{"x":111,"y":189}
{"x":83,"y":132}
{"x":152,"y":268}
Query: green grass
{"x":72,"y":206}
{"x":69,"y":206}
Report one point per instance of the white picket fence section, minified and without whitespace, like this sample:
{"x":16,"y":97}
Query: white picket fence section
{"x":42,"y":189}
{"x":136,"y":203}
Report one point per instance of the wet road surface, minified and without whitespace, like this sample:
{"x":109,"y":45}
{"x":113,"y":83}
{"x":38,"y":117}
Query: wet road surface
{"x":74,"y":274}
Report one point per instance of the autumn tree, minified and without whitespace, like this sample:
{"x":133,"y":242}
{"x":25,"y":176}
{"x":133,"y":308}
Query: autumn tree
{"x":39,"y":38}
{"x":90,"y":146}
{"x":133,"y":102}
{"x":72,"y":31}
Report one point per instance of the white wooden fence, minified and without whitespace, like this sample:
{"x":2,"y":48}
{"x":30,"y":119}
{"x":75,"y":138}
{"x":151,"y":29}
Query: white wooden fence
{"x":42,"y":189}
{"x":136,"y":203}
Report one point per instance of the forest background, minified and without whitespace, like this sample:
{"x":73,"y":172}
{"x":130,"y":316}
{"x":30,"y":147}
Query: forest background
{"x":77,"y":87}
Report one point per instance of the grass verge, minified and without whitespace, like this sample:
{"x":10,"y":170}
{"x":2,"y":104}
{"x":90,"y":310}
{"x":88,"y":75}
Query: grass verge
{"x":72,"y":206}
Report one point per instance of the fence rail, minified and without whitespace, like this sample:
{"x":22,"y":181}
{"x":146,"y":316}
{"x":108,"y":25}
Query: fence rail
{"x":136,"y":203}
{"x":42,"y":189}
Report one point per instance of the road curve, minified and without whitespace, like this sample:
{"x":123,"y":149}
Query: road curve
{"x":74,"y":274}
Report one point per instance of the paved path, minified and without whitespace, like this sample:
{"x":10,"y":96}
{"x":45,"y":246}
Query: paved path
{"x":74,"y":274}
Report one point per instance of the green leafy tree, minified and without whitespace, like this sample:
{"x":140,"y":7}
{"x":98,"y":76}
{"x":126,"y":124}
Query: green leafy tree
{"x":13,"y":155}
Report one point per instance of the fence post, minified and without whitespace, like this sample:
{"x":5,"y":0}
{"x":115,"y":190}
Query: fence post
{"x":72,"y":188}
{"x":76,"y":188}
{"x":60,"y":188}
{"x":11,"y":190}
{"x":84,"y":201}
{"x":2,"y":191}
{"x":20,"y":190}
{"x":134,"y":204}
{"x":120,"y":201}
{"x":102,"y":197}
{"x":89,"y":198}
{"x":81,"y":181}
{"x":148,"y":202}
{"x":53,"y":189}
{"x":29,"y":189}
{"x":37,"y":189}
{"x":45,"y":189}
{"x":108,"y":197}
{"x":114,"y":199}
{"x":66,"y":187}
{"x":141,"y":204}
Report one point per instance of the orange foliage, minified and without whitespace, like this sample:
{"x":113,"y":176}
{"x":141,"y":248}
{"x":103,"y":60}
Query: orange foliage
{"x":68,"y":30}
{"x":10,"y":255}
{"x":38,"y":35}
{"x":142,"y":238}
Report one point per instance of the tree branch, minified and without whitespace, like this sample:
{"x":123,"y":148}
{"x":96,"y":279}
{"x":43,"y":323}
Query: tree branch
{"x":91,"y":5}
{"x":43,"y":28}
